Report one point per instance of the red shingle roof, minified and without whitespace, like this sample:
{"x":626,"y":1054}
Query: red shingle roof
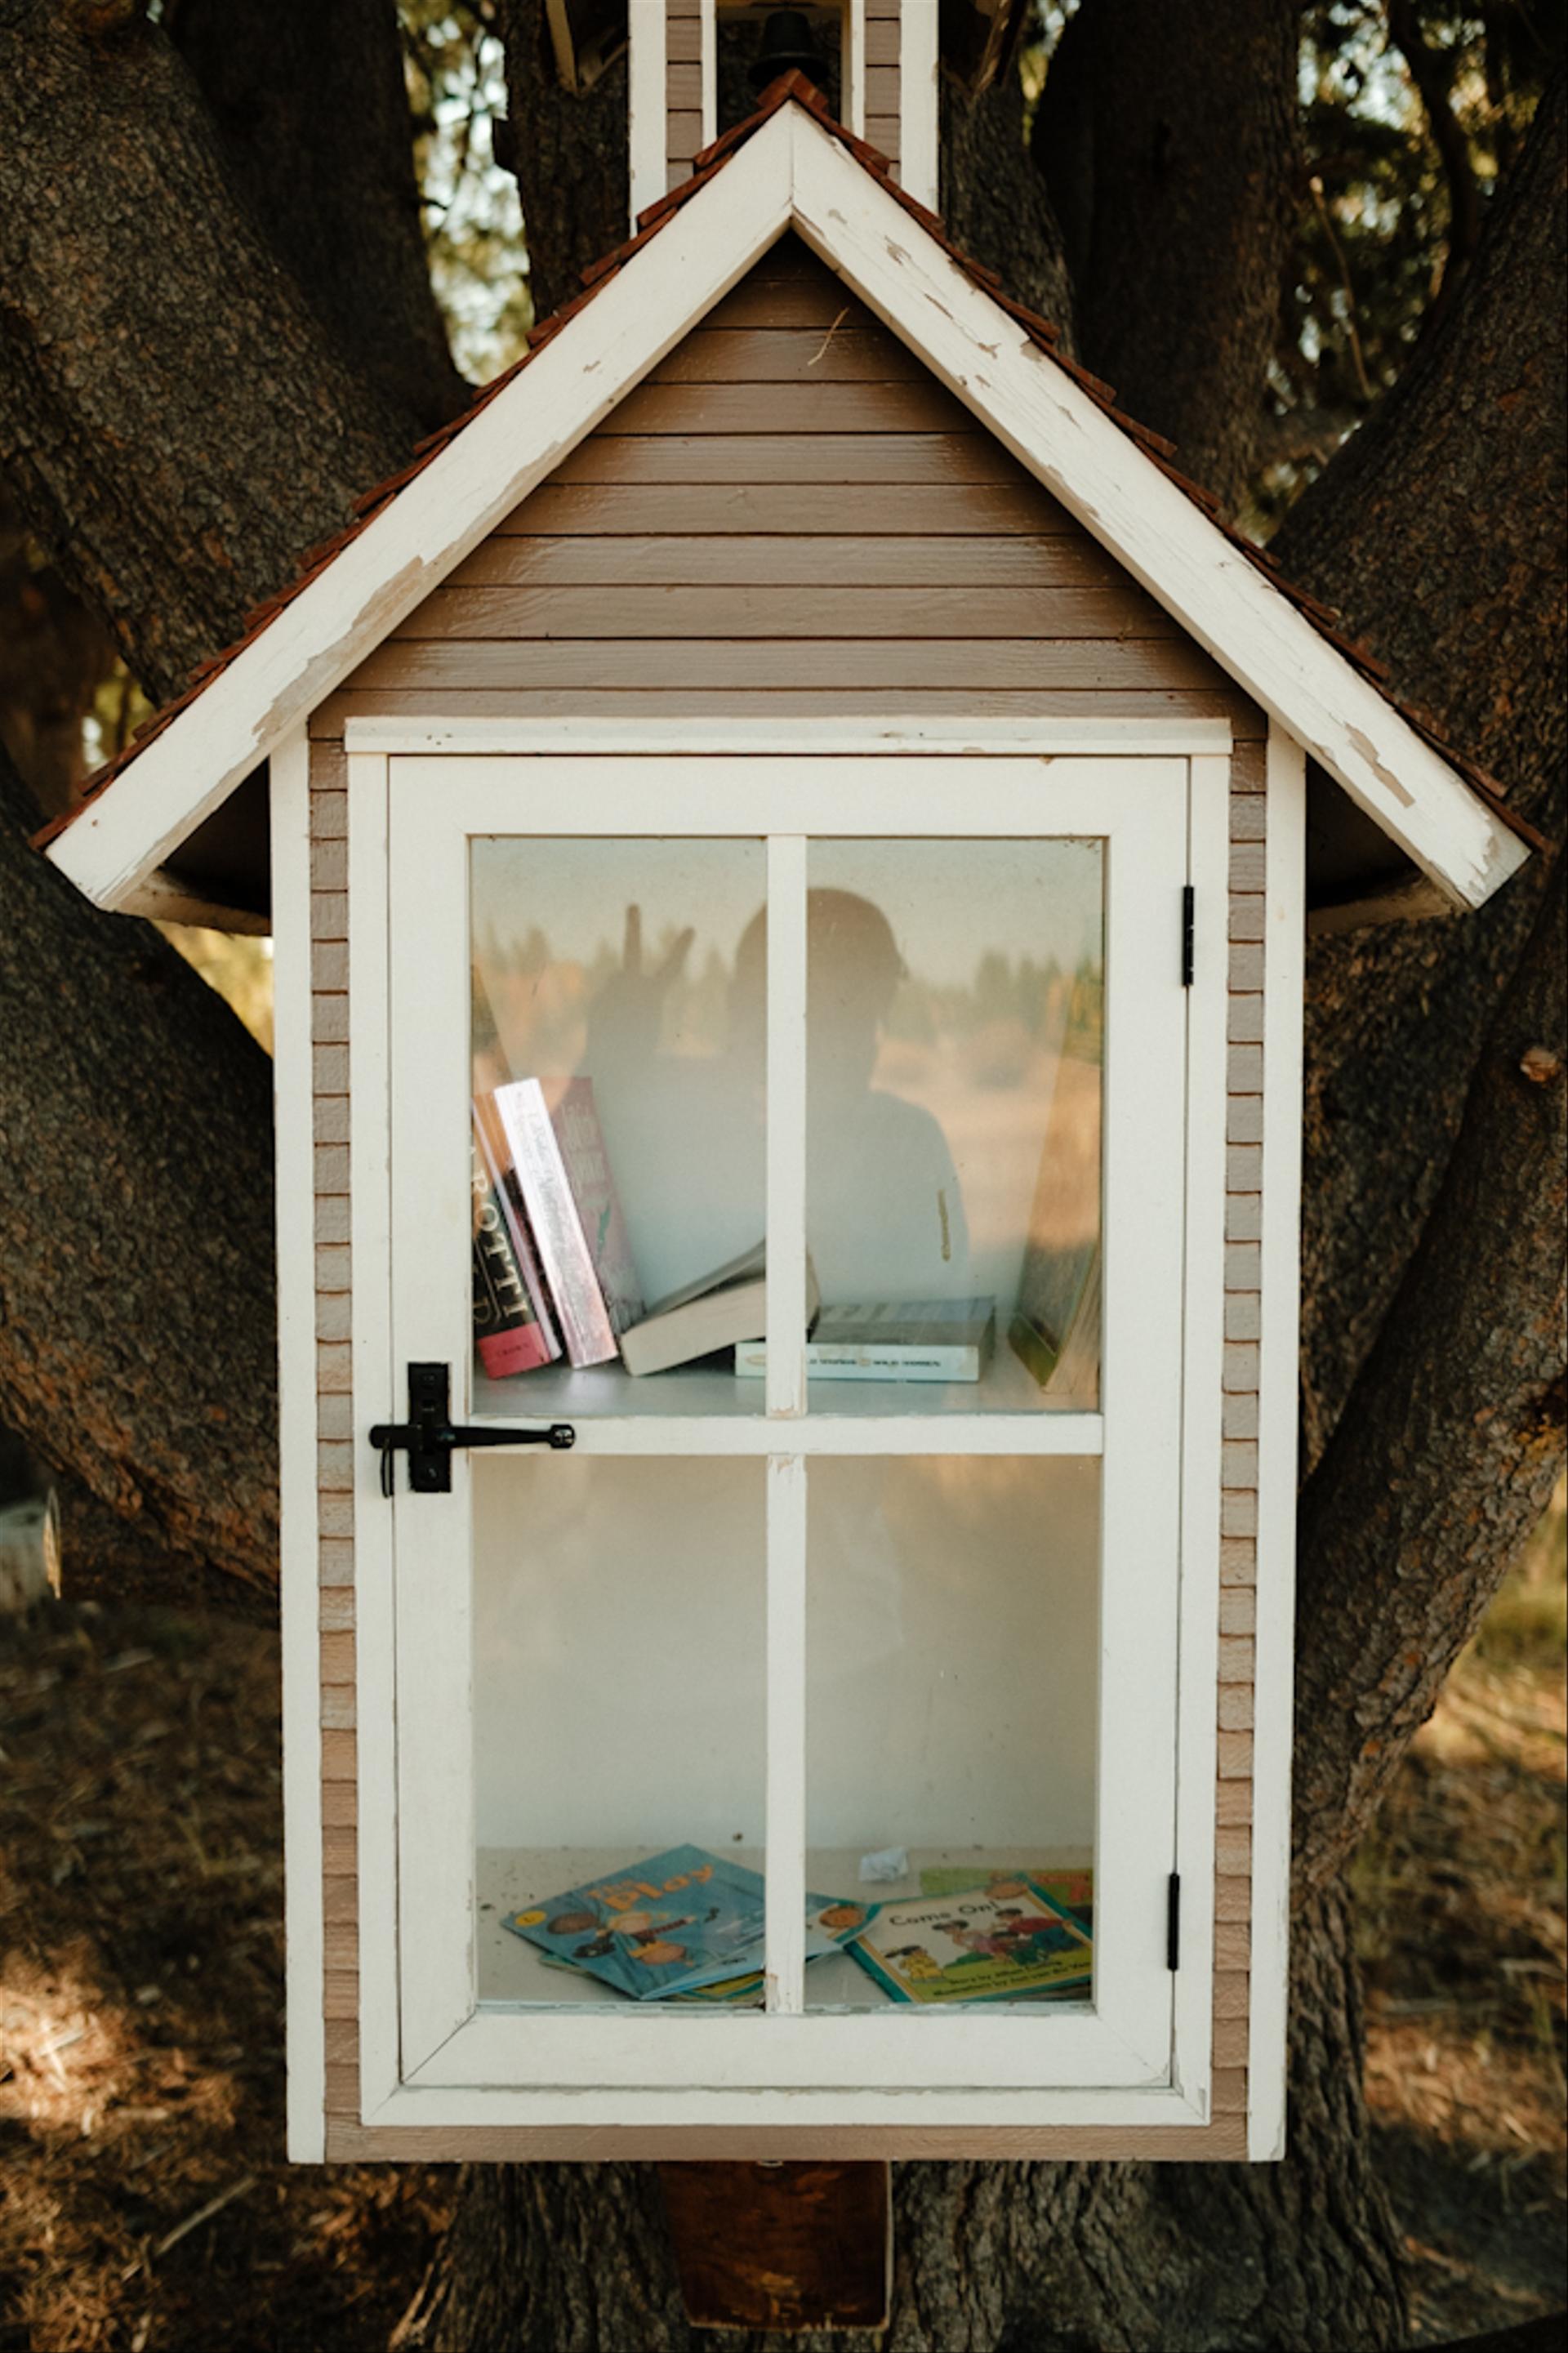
{"x":794,"y":86}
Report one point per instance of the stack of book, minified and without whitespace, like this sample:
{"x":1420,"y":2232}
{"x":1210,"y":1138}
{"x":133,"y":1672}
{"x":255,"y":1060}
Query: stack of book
{"x":554,"y":1274}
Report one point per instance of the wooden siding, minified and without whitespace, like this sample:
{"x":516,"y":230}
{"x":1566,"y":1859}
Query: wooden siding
{"x":683,"y":81}
{"x":596,"y":574}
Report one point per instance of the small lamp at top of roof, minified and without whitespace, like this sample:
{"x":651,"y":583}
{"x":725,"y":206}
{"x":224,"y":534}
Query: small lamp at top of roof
{"x":787,"y":44}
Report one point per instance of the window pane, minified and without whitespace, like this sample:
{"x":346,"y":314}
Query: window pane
{"x":618,"y":1057}
{"x":618,"y":1715}
{"x":956,"y":994}
{"x":953,"y":1643}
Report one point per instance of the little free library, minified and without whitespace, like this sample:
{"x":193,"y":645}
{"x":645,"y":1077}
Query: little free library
{"x":789,"y":830}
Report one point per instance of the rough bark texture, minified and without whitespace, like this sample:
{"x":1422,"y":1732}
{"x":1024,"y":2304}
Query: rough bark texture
{"x":1168,"y":157}
{"x":137,"y":1332}
{"x":996,"y":203}
{"x":569,"y":154}
{"x":178,"y":480}
{"x":174,"y":421}
{"x":312,"y":112}
{"x":1438,"y":531}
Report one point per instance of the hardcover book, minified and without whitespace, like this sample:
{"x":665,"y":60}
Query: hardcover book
{"x":1007,"y":1942}
{"x":490,"y":1146}
{"x":677,"y":1923}
{"x":893,"y":1340}
{"x":569,"y":1196}
{"x":718,"y":1311}
{"x":507,"y":1331}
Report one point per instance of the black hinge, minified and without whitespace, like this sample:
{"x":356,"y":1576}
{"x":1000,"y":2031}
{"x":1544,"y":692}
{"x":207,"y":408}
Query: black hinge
{"x":1174,"y":1920}
{"x":1189,"y":919}
{"x":430,"y":1440}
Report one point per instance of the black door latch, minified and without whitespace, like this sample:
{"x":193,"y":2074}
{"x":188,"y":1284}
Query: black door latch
{"x":430,"y":1440}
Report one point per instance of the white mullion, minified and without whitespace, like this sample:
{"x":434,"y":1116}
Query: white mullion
{"x":786,"y":1124}
{"x":784,"y":1976}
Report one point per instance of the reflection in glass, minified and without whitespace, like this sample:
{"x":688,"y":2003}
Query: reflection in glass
{"x":618,"y":1682}
{"x":956,"y":997}
{"x":951,"y":1701}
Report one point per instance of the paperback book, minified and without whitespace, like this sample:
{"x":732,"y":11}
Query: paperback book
{"x":718,"y":1311}
{"x":892,"y":1340}
{"x":986,"y":1945}
{"x":677,"y":1923}
{"x":1073,"y":1890}
{"x":512,"y":1322}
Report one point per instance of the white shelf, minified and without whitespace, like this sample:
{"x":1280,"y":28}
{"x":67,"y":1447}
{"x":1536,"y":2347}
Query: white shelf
{"x":707,"y":1410}
{"x":514,"y":1973}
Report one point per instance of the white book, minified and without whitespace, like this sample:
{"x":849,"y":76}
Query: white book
{"x":718,"y":1311}
{"x":892,"y":1340}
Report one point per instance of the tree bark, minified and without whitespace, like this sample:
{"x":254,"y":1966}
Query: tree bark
{"x":312,"y":112}
{"x":996,"y":206}
{"x":1170,"y":162}
{"x":569,"y":153}
{"x":175,"y":423}
{"x":137,"y":1331}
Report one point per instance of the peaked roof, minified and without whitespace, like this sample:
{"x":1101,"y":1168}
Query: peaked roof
{"x":784,"y":167}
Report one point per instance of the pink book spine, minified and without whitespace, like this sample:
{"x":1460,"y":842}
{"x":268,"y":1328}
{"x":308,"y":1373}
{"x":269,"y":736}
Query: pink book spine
{"x":497,"y":1163}
{"x":508,"y":1335}
{"x":555,"y":1224}
{"x":575,"y":1119}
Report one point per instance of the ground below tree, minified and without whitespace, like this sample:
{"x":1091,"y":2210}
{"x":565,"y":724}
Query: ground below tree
{"x":150,"y":2210}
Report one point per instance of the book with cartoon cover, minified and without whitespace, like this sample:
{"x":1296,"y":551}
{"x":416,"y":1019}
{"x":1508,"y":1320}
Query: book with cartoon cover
{"x":1073,"y":1890}
{"x":1005,"y":1942}
{"x":675,"y":1923}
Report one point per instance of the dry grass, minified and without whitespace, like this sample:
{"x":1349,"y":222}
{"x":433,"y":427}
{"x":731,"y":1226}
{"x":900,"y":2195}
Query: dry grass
{"x":1461,"y":1896}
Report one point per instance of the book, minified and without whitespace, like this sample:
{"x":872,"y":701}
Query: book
{"x":1055,"y":1327}
{"x":507,"y":1331}
{"x":569,"y":1197}
{"x":892,"y":1340}
{"x":986,"y":1945}
{"x":490,"y":1146}
{"x":1073,"y":1890}
{"x":717,"y":1311}
{"x":674,"y":1924}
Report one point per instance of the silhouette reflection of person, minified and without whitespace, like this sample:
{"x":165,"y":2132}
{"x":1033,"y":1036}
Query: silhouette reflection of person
{"x":884,"y":1210}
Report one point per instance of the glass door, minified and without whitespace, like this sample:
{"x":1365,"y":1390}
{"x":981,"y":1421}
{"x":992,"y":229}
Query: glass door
{"x":818,"y":1182}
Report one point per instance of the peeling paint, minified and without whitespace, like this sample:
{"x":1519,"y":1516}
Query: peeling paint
{"x":1368,"y":751}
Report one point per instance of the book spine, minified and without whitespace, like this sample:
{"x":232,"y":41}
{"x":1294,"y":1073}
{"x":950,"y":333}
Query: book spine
{"x":492,"y":1143}
{"x":509,"y":1338}
{"x":580,"y":1139}
{"x":825,"y":1361}
{"x":554,"y":1223}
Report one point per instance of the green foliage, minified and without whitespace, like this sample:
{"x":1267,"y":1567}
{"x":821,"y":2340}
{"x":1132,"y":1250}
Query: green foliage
{"x":473,"y":221}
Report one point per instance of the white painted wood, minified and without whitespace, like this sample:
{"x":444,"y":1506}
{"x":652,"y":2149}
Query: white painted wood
{"x":1139,"y":808}
{"x":786,"y":1118}
{"x":1153,"y":527}
{"x":792,"y":172}
{"x":784,"y":1975}
{"x":374,"y":1393}
{"x":691,"y":2105}
{"x":917,"y":101}
{"x":294,"y":1147}
{"x":853,"y":70}
{"x":1203,"y":1360}
{"x":645,"y":86}
{"x":964,"y":1430}
{"x":568,"y":386}
{"x":1046,"y":736}
{"x":1284,"y":959}
{"x":163,"y":898}
{"x":895,"y":795}
{"x":433,"y":1534}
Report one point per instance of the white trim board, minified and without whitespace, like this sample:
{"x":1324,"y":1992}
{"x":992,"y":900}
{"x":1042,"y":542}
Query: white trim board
{"x":792,"y":173}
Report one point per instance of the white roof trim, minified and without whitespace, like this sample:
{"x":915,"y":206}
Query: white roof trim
{"x":791,"y":171}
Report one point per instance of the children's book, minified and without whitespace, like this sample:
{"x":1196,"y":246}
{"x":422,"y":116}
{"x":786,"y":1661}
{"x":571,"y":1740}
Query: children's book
{"x":674,"y":1924}
{"x":1073,"y":1890}
{"x":1008,"y":1942}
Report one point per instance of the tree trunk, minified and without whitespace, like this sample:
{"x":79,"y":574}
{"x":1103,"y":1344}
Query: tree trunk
{"x":178,"y":482}
{"x":1170,"y":158}
{"x":569,"y":153}
{"x":312,"y":111}
{"x":175,"y":423}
